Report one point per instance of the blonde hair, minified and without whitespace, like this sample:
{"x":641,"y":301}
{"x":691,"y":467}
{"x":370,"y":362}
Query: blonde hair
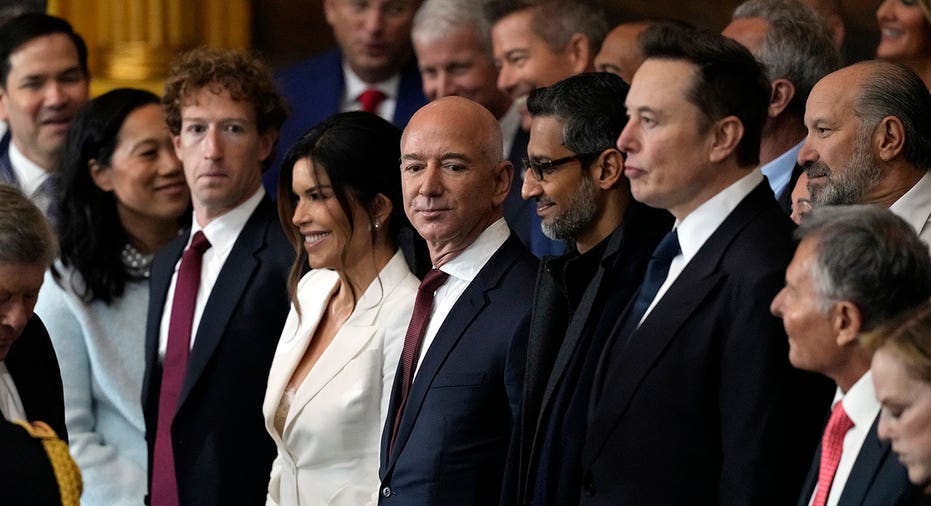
{"x":908,"y":337}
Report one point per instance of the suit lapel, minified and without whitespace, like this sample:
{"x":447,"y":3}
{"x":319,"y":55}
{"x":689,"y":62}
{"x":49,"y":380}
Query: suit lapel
{"x":629,"y":362}
{"x":163,"y":269}
{"x":868,"y":463}
{"x":231,"y":283}
{"x":469,"y":305}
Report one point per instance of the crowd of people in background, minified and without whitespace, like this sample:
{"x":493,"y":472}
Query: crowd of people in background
{"x":480,"y":252}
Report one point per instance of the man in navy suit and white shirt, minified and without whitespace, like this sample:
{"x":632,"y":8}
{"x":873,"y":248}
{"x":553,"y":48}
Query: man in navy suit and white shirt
{"x":694,"y":400}
{"x":223,"y":113}
{"x":855,"y":269}
{"x":373,"y":53}
{"x":447,"y":442}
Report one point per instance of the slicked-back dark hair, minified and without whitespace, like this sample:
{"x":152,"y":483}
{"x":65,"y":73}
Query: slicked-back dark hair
{"x":32,"y":25}
{"x":728,"y":81}
{"x":555,"y":21}
{"x":590,"y":104}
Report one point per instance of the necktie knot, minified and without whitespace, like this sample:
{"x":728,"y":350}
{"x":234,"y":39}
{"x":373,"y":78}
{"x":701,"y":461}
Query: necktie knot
{"x":199,"y":243}
{"x":370,"y":99}
{"x":668,"y":248}
{"x":433,"y":280}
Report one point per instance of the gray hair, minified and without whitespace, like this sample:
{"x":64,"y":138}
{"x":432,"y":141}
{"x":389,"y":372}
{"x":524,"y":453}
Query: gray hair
{"x":867,"y":255}
{"x":798,"y":45}
{"x":892,"y":89}
{"x":436,"y":19}
{"x":25,"y":235}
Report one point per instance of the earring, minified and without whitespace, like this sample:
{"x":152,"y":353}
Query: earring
{"x":376,"y":225}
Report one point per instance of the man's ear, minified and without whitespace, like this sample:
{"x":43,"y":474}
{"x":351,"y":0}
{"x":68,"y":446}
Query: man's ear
{"x":889,"y":138}
{"x":727,"y":133}
{"x":783,"y":91}
{"x":578,"y":51}
{"x":102,"y":176}
{"x":503,"y":176}
{"x":608,"y":170}
{"x":847,"y":321}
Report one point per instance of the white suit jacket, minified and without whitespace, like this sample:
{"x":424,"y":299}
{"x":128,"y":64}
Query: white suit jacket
{"x":328,"y":450}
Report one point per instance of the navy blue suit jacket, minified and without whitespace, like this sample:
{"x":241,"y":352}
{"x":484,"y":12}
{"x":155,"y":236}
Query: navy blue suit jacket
{"x":877,"y":476}
{"x":700,"y":405}
{"x":453,"y":437}
{"x":314,"y":88}
{"x":223,"y":454}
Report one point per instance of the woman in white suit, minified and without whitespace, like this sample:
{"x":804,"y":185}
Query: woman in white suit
{"x":339,"y":198}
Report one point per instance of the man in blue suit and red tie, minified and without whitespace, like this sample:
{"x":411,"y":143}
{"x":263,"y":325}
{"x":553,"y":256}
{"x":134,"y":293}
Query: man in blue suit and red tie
{"x":372,"y":69}
{"x":457,"y":391}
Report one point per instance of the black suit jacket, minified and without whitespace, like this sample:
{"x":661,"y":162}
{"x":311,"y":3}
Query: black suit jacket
{"x":695,"y":407}
{"x":453,"y":436}
{"x":34,"y":368}
{"x":222,"y":452}
{"x":877,"y":477}
{"x":26,"y":474}
{"x":555,"y":334}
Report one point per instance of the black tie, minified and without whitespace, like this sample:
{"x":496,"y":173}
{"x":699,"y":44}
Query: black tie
{"x":657,"y":270}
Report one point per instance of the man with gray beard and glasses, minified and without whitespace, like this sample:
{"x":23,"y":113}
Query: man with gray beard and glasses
{"x":868,"y":141}
{"x":574,"y":173}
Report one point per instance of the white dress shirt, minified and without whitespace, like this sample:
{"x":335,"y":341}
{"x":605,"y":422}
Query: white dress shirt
{"x":30,"y":177}
{"x":915,"y":207}
{"x":862,"y":408}
{"x":698,"y":226}
{"x":354,"y":86}
{"x":462,"y":270}
{"x":11,"y":406}
{"x":509,"y":123}
{"x":222,"y":233}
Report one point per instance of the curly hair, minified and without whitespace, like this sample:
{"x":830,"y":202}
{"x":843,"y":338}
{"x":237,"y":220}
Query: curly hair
{"x":245,"y":77}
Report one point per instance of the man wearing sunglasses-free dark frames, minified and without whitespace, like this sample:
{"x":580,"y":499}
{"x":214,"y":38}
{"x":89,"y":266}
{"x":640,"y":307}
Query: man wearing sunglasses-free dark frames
{"x":582,"y":198}
{"x":542,"y":168}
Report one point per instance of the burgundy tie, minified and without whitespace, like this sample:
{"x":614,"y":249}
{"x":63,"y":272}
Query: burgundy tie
{"x":832,"y":445}
{"x":423,"y":306}
{"x":164,"y":479}
{"x":370,"y":99}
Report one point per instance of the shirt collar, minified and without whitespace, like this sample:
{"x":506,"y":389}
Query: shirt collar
{"x":467,"y":264}
{"x":698,"y":226}
{"x":915,"y":206}
{"x":860,"y":402}
{"x":29,"y":173}
{"x":779,"y":171}
{"x":223,"y":230}
{"x":354,"y":86}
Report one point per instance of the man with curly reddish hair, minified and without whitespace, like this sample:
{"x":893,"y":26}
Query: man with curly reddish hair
{"x":218,"y":296}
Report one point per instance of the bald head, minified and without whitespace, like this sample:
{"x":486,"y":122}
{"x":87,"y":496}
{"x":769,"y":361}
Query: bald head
{"x":452,"y":174}
{"x":620,"y":52}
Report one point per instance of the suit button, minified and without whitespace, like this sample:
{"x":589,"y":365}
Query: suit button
{"x":386,"y":491}
{"x":589,"y":484}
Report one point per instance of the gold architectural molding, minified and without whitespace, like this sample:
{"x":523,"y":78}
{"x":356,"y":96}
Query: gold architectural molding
{"x":132,"y":42}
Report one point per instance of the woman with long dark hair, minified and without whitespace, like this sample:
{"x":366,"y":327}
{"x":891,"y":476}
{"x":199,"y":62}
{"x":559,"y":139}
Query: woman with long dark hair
{"x":339,"y":199}
{"x":123,"y":197}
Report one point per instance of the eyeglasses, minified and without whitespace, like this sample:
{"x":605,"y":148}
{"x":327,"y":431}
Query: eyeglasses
{"x":541,"y":169}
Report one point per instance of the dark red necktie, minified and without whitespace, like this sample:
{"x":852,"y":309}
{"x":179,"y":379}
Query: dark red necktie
{"x":164,"y":479}
{"x":423,"y":306}
{"x":832,"y":446}
{"x":370,"y":99}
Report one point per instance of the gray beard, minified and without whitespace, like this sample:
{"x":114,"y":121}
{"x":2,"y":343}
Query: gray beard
{"x":581,"y":211}
{"x":849,"y":187}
